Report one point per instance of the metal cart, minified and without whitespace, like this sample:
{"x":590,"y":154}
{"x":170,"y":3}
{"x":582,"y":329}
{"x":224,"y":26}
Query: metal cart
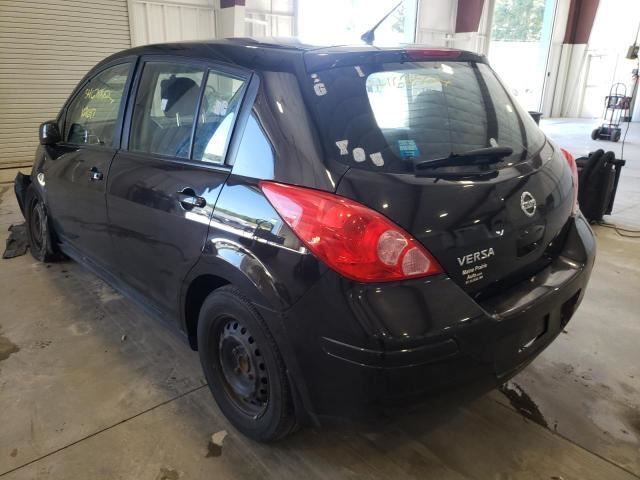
{"x":616,"y":106}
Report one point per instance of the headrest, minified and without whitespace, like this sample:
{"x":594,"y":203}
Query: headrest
{"x":179,"y":96}
{"x":428,"y":102}
{"x":429,"y":95}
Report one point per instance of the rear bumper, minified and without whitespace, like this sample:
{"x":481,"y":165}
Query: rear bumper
{"x":356,"y":348}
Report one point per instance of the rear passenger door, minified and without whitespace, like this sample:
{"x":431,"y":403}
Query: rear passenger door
{"x":164,"y":183}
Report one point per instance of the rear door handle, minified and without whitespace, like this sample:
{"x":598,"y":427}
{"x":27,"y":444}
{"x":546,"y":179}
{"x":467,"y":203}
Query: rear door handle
{"x":188,"y":199}
{"x":95,"y":175}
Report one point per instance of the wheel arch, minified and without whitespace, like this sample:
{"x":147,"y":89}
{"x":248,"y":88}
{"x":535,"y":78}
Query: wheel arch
{"x":209,"y":274}
{"x":213,"y":271}
{"x":197,"y":291}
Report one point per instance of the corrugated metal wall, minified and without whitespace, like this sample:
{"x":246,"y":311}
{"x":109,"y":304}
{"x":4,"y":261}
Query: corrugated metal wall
{"x":46,"y":46}
{"x":157,"y":21}
{"x":270,"y":18}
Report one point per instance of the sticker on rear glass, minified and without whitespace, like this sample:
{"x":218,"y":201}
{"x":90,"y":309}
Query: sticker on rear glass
{"x":359,"y":70}
{"x":343,"y":146}
{"x":320,"y":89}
{"x":318,"y":86}
{"x":359,"y":155}
{"x":408,"y":148}
{"x":377,"y":159}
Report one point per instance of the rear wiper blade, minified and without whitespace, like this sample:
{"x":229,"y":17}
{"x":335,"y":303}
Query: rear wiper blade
{"x":480,"y":156}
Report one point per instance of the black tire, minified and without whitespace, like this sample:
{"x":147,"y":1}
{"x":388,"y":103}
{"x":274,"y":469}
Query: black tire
{"x":235,"y":343}
{"x":41,"y":239}
{"x":595,"y":134}
{"x":616,"y":135}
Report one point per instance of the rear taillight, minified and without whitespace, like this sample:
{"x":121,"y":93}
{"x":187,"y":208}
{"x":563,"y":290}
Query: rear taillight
{"x":355,"y":241}
{"x":574,"y":175}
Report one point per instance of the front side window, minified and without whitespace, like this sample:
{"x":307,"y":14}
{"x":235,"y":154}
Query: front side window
{"x":165,"y":109}
{"x":92,"y":116}
{"x":219,"y":108}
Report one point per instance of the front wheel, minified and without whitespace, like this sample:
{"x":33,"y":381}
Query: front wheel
{"x":243,"y":366}
{"x":41,"y":243}
{"x":595,"y":134}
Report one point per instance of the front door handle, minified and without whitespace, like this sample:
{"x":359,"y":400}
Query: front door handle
{"x":95,"y":175}
{"x":188,"y":199}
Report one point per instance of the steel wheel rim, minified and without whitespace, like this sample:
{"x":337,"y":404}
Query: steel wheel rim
{"x":244,"y":370}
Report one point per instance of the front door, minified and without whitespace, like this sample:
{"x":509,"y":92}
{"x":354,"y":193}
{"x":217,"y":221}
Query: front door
{"x":163,"y":187}
{"x":76,"y":176}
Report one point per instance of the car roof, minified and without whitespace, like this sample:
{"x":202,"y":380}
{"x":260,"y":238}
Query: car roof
{"x":283,"y":53}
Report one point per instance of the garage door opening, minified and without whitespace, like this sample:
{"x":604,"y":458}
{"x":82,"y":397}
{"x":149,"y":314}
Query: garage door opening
{"x":519,"y":47}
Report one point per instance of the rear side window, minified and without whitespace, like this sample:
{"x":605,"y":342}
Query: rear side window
{"x":165,"y":109}
{"x":219,"y":108}
{"x":255,"y":155}
{"x":388,"y":116}
{"x":92,"y":116}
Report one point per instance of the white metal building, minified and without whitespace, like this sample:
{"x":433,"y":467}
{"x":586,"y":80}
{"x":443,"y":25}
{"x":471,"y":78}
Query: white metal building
{"x":47,"y":45}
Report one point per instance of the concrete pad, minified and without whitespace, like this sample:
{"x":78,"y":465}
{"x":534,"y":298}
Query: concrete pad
{"x":9,"y":210}
{"x":586,"y":384}
{"x":171,"y":442}
{"x":87,"y":357}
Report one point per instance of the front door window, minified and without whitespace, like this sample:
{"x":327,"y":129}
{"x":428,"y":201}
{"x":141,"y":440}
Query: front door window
{"x":92,"y":116}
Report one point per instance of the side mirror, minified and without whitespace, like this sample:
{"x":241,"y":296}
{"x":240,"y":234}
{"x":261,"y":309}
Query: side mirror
{"x":536,"y":116}
{"x":49,"y":133}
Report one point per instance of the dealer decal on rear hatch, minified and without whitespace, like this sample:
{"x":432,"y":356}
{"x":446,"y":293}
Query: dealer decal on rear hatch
{"x":473,"y":266}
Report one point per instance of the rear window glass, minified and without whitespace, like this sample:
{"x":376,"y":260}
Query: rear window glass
{"x":390,"y":116}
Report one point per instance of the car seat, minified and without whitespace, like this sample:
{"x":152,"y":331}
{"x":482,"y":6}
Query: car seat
{"x":180,"y":96}
{"x":429,"y":123}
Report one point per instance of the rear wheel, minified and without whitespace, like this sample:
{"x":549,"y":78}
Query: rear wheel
{"x":595,"y":134}
{"x":243,"y":366}
{"x":41,"y":242}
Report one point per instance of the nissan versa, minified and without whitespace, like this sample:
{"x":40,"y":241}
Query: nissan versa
{"x":335,"y":230}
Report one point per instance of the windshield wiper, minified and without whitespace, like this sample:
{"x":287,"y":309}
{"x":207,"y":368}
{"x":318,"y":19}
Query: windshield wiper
{"x":480,"y":156}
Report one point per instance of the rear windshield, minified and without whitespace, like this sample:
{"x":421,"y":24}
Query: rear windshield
{"x":390,"y":116}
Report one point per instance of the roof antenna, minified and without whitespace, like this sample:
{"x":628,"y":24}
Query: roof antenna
{"x":370,"y":35}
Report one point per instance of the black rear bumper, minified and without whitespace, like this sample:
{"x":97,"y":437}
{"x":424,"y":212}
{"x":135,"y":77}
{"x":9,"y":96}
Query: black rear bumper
{"x":355,"y":349}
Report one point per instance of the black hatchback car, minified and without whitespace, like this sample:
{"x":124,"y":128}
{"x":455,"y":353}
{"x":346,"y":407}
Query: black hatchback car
{"x":335,"y":230}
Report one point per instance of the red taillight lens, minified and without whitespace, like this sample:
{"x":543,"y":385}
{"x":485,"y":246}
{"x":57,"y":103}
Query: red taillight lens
{"x":355,"y":241}
{"x":574,"y":175}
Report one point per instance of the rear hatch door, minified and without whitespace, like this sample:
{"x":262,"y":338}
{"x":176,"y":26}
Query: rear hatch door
{"x":485,"y":234}
{"x":387,"y":114}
